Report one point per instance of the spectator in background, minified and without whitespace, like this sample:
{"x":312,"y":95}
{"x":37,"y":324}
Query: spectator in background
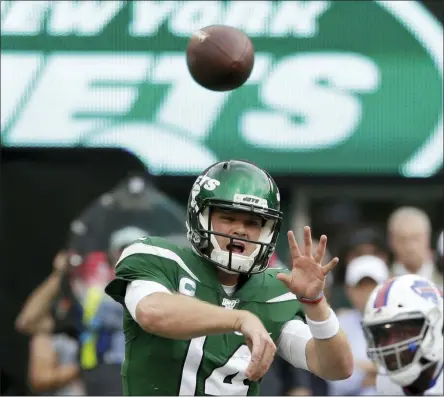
{"x":362,"y":275}
{"x":409,"y":237}
{"x":366,"y":240}
{"x":53,"y":353}
{"x":77,"y":344}
{"x":53,"y":364}
{"x":100,"y":320}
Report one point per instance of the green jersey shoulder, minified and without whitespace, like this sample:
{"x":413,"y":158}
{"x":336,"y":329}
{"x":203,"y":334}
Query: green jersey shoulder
{"x":159,"y":366}
{"x":154,"y":259}
{"x":181,"y":270}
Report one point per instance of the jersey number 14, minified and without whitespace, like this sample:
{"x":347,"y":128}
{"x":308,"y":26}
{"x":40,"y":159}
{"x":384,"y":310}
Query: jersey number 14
{"x":226,"y":380}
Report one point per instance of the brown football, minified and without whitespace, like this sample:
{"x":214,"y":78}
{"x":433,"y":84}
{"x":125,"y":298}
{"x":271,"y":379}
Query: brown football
{"x":220,"y":58}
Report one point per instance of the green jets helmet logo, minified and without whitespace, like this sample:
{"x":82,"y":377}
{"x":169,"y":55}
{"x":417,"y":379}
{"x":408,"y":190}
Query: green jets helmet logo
{"x":337,"y":86}
{"x":206,"y":183}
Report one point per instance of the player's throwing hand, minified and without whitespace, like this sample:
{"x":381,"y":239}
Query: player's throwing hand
{"x":260,"y":344}
{"x":307,"y":278}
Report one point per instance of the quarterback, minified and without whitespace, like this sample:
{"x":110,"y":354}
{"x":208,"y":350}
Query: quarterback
{"x":403,"y":323}
{"x":208,"y":320}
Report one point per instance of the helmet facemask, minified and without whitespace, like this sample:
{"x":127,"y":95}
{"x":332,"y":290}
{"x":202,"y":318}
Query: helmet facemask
{"x":203,"y":237}
{"x":403,"y":360}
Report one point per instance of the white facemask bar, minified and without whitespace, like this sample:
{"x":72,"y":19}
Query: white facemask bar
{"x":238,"y":262}
{"x":379,"y":353}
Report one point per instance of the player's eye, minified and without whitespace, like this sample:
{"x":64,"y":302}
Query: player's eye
{"x":253,"y":223}
{"x":227,"y":218}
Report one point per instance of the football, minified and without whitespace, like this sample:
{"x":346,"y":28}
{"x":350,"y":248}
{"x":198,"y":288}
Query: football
{"x":220,"y":58}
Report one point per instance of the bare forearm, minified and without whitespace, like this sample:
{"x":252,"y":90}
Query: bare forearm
{"x":180,"y":317}
{"x":38,"y":303}
{"x":65,"y":374}
{"x":50,"y":379}
{"x":332,"y":358}
{"x":44,"y":371}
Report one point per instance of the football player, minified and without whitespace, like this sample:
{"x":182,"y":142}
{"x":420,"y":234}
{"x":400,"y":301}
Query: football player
{"x":403,"y":323}
{"x":208,"y":320}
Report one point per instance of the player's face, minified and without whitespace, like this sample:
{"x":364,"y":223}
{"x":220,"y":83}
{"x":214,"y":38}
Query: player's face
{"x":359,"y":294}
{"x":394,"y":333}
{"x":238,"y":224}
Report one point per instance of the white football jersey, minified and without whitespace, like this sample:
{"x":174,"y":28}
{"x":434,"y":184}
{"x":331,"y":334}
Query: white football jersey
{"x":385,"y":386}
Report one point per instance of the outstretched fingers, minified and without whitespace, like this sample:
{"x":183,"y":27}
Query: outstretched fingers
{"x":320,"y":251}
{"x":329,"y":266}
{"x":294,"y":249}
{"x":307,"y":241}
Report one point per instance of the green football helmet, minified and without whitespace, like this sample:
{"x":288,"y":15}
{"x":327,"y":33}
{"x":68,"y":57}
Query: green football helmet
{"x":235,"y":186}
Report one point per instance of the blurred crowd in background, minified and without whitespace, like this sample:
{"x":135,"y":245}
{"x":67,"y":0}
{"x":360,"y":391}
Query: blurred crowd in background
{"x":77,"y":341}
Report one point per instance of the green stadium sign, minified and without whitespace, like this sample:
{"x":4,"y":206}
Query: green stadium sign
{"x":338,"y":87}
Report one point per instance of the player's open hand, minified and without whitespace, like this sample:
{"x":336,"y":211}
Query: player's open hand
{"x":260,"y":344}
{"x":307,"y":278}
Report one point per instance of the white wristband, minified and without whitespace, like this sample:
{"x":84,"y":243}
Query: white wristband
{"x":324,"y":329}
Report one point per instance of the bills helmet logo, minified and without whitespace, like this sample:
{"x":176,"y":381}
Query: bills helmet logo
{"x":427,"y":291}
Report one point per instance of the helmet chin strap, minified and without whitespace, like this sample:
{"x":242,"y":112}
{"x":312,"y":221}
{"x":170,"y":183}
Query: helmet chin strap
{"x":408,"y":375}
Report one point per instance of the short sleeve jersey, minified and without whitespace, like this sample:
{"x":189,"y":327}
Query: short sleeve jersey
{"x":208,"y":365}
